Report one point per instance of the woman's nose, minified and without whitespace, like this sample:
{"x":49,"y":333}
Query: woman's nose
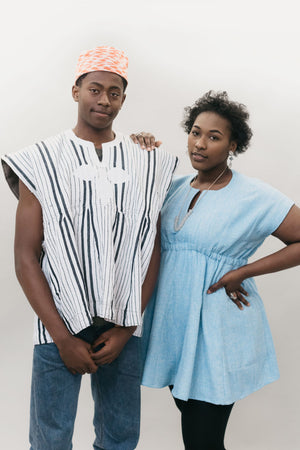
{"x":200,"y":142}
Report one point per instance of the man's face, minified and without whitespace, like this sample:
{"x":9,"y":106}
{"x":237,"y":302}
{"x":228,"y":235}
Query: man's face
{"x":100,"y":97}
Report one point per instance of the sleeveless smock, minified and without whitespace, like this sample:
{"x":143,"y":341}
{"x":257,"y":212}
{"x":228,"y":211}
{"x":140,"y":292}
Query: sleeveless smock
{"x":99,"y":223}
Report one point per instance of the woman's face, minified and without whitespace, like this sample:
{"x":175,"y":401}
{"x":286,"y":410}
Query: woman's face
{"x":209,"y":142}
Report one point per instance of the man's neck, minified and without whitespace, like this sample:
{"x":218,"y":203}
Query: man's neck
{"x":98,"y":137}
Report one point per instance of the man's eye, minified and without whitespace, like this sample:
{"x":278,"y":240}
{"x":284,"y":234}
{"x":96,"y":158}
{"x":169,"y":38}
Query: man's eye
{"x":94,"y":91}
{"x":115,"y":94}
{"x":195,"y":133}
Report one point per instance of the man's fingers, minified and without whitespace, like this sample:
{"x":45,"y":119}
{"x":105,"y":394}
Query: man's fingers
{"x":102,"y":360}
{"x":100,"y":355}
{"x":92,"y":369}
{"x":105,"y":361}
{"x":101,"y":339}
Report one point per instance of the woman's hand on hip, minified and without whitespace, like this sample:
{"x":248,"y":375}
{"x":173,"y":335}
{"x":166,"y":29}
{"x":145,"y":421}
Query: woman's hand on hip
{"x":232,"y":283}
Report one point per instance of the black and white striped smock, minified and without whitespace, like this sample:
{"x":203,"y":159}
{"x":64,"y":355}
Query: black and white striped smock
{"x":99,"y":221}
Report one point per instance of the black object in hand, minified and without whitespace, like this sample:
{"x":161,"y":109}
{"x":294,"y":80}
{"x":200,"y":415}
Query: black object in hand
{"x":91,"y":333}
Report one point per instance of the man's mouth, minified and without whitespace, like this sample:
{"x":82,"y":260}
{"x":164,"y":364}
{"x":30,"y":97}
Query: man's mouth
{"x":100,"y":112}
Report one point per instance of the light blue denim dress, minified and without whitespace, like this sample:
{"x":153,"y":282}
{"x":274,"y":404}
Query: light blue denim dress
{"x":201,"y":343}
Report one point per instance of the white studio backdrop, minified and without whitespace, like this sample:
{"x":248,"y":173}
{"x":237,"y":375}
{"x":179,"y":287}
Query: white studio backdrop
{"x":177,"y":51}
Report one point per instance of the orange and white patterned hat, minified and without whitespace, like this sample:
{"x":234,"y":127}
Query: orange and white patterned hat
{"x":104,"y":58}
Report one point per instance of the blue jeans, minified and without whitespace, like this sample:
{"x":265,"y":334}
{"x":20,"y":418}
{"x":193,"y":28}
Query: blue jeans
{"x":54,"y":397}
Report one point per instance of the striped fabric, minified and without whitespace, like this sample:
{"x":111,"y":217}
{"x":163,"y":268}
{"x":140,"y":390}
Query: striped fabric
{"x":99,"y":221}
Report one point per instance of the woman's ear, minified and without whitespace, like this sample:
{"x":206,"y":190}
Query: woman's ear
{"x":232,"y":146}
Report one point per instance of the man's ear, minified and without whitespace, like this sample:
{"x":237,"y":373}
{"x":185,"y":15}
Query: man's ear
{"x":75,"y":92}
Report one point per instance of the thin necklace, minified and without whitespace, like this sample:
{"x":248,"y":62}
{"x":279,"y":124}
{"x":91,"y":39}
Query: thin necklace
{"x":178,"y":225}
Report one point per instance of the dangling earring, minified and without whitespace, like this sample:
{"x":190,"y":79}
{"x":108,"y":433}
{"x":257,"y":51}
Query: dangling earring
{"x":230,"y":159}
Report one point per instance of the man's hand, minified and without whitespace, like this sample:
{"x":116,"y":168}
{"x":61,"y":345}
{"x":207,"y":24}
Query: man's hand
{"x":146,"y":140}
{"x":114,"y":341}
{"x":76,"y":355}
{"x":232,"y":282}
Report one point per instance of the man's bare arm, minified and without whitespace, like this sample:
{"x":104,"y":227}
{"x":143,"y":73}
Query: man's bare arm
{"x":28,"y":246}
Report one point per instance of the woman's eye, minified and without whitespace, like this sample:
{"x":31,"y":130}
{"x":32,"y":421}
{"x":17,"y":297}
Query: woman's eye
{"x":195,"y":133}
{"x":214,"y":138}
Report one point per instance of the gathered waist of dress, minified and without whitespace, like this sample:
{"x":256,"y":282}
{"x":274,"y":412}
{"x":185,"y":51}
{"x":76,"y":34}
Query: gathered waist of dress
{"x":227,"y":259}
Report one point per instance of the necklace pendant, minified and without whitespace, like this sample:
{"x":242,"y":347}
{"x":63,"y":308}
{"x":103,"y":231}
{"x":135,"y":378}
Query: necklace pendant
{"x":177,"y":225}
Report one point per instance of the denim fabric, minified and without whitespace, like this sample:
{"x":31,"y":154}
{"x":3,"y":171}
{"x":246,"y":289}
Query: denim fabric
{"x":54,"y":397}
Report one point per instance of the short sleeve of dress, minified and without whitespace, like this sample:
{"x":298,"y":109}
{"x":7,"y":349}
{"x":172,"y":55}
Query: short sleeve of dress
{"x":176,"y":182}
{"x":20,"y":165}
{"x":272,"y":208}
{"x":166,"y":165}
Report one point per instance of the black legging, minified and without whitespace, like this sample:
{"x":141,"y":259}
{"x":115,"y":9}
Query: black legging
{"x":203,"y":424}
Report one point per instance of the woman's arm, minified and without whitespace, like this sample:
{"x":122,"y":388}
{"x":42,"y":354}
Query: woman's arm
{"x":153,"y":269}
{"x":289,"y":256}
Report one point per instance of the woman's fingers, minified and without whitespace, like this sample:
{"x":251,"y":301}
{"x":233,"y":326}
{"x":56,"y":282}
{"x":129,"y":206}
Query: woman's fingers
{"x":238,"y":298}
{"x":146,"y":140}
{"x":242,"y":290}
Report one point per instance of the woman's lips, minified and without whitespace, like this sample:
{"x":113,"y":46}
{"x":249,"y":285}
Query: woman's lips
{"x":198,"y":157}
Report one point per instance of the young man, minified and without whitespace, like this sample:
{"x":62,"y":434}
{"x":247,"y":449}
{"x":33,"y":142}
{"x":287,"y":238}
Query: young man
{"x":87,"y":256}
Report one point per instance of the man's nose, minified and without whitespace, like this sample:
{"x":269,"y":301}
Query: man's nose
{"x":103,"y":99}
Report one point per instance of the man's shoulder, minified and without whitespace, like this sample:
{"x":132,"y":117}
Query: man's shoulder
{"x":160,"y":155}
{"x":51,"y":142}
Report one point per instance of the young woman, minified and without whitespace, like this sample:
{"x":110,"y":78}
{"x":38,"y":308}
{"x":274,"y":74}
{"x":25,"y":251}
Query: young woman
{"x":212,"y":222}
